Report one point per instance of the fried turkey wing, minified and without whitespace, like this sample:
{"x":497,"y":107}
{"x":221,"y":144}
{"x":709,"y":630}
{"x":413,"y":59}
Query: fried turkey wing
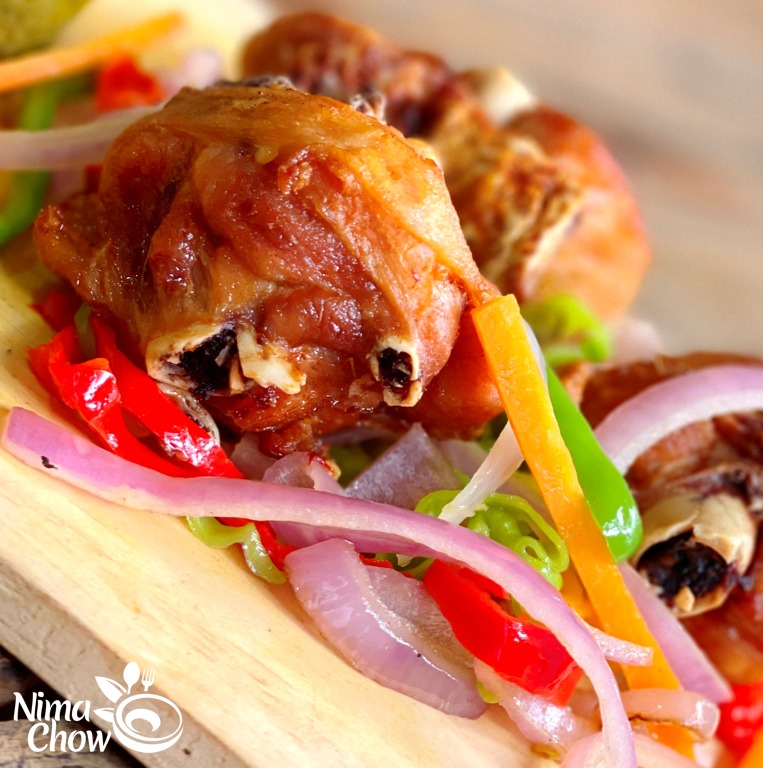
{"x":295,"y":262}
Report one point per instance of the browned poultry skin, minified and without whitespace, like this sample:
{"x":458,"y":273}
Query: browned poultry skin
{"x":543,"y":204}
{"x":725,"y":455}
{"x":326,"y":55}
{"x":316,"y":231}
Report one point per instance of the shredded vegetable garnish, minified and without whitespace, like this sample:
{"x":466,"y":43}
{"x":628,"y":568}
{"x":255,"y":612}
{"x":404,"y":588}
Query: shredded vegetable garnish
{"x":27,"y":189}
{"x":218,"y":536}
{"x":511,"y":521}
{"x":567,"y":330}
{"x":528,"y":406}
{"x":57,"y":62}
{"x":606,"y":491}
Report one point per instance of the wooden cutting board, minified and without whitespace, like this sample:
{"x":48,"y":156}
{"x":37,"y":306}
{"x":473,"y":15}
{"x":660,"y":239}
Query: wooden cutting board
{"x":87,"y":586}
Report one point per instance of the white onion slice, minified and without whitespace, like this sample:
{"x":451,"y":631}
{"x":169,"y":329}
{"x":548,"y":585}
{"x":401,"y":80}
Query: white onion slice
{"x":538,"y":720}
{"x":502,"y":461}
{"x":340,"y":595}
{"x":654,"y":413}
{"x":622,"y":651}
{"x":678,"y":707}
{"x":68,"y":147}
{"x":370,"y":526}
{"x":465,"y":455}
{"x":689,"y":663}
{"x":590,"y":753}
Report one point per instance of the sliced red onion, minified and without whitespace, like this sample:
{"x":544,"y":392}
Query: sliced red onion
{"x":590,"y":753}
{"x":410,"y":469}
{"x":370,"y":526}
{"x":248,"y":457}
{"x":465,"y":455}
{"x":635,"y":339}
{"x":68,"y":147}
{"x":200,"y":67}
{"x":673,"y":706}
{"x":538,"y":720}
{"x":688,"y":661}
{"x":303,"y":470}
{"x":338,"y":592}
{"x":654,"y":413}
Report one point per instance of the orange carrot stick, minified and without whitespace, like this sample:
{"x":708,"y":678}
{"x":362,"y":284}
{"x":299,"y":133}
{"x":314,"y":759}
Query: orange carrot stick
{"x":525,"y":398}
{"x":57,"y":62}
{"x":753,"y":758}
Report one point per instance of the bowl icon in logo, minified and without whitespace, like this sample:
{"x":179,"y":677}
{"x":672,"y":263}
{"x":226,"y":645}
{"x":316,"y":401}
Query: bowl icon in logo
{"x":147,"y":723}
{"x":143,"y":722}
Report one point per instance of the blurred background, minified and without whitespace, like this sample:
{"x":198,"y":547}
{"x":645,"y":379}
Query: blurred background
{"x":675,"y":89}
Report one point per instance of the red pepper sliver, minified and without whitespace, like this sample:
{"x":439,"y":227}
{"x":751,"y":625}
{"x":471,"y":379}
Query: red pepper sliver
{"x":58,"y":307}
{"x":179,"y":434}
{"x":517,"y":649}
{"x":121,"y":84}
{"x":90,"y":389}
{"x":742,"y":717}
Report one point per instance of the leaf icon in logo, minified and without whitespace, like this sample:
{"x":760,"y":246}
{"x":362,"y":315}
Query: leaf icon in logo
{"x":111,"y":689}
{"x":106,"y":713}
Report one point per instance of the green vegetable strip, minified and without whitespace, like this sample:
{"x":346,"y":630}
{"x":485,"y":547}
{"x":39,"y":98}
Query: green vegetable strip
{"x":26,"y":194}
{"x":215,"y":534}
{"x":605,"y":489}
{"x":511,"y":521}
{"x":567,"y":330}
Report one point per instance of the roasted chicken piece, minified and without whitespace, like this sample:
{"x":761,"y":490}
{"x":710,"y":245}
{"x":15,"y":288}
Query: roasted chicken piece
{"x":543,"y":205}
{"x":294,"y":262}
{"x":329,"y":56}
{"x":700,"y":491}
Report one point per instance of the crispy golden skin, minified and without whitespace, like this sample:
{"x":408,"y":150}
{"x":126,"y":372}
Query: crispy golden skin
{"x":543,"y":204}
{"x":295,"y":262}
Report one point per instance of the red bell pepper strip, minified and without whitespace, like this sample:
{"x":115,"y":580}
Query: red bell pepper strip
{"x":121,"y":84}
{"x":517,"y":649}
{"x":90,"y":389}
{"x":742,"y":717}
{"x":58,"y":307}
{"x":180,"y":436}
{"x":99,"y":389}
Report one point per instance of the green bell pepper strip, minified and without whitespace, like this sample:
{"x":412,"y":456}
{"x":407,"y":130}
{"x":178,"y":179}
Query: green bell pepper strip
{"x":215,"y":534}
{"x":26,"y":194}
{"x":605,"y":489}
{"x":567,"y":330}
{"x":511,"y":521}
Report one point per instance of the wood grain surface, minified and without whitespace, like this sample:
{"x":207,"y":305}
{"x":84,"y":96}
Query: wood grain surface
{"x":677,"y":91}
